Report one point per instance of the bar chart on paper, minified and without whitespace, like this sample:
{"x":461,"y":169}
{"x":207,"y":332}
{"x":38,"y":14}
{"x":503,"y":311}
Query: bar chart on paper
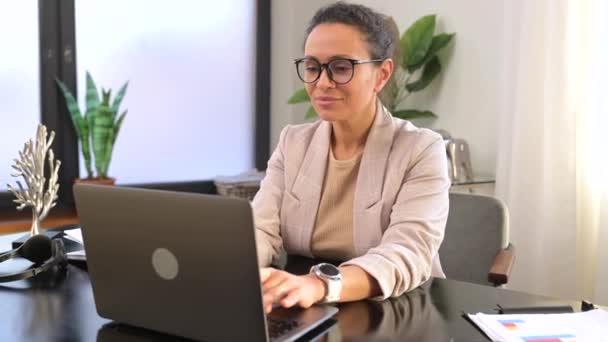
{"x":520,"y":325}
{"x":550,"y":338}
{"x":563,"y":327}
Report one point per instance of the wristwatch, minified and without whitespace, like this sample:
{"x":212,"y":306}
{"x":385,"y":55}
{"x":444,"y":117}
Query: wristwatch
{"x":332,"y":278}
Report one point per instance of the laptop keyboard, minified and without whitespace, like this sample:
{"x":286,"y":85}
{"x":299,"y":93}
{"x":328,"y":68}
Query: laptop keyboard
{"x":279,"y":327}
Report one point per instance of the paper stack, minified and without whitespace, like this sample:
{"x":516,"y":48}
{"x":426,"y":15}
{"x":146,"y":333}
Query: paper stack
{"x":564,"y":327}
{"x":76,"y":235}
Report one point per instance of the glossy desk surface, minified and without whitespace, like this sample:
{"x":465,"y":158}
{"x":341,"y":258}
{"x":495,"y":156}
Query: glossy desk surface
{"x":61,"y":308}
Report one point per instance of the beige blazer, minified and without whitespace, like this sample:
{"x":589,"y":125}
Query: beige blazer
{"x":400,"y":206}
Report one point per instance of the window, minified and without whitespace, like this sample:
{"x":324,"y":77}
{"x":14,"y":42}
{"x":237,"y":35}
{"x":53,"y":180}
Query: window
{"x":178,"y":133}
{"x":19,"y":82}
{"x":191,"y":96}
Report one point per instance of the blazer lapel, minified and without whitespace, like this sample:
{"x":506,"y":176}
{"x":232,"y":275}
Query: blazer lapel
{"x":308,"y":185}
{"x":368,"y":194}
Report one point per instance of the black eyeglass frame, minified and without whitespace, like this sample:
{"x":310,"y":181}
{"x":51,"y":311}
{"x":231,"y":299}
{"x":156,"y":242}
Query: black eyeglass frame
{"x":325,"y":66}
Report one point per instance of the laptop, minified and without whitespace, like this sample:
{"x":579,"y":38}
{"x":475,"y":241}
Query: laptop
{"x":183,"y":264}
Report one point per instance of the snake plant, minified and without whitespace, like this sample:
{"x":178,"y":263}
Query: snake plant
{"x":416,"y":66}
{"x":99,"y":126}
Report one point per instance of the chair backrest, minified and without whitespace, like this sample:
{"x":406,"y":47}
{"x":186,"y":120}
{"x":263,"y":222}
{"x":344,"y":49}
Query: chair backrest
{"x":477,"y":228}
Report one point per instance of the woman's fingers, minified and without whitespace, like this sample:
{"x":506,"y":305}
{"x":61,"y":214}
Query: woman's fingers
{"x":276,"y":293}
{"x":275,"y":278}
{"x":287,"y":290}
{"x":265,"y":273}
{"x":291,"y":299}
{"x":297,"y":297}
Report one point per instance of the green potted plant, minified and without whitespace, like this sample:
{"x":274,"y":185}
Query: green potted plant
{"x":416,"y":66}
{"x":97,"y":128}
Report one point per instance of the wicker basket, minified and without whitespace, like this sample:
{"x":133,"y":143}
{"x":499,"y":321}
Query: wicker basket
{"x":244,"y":185}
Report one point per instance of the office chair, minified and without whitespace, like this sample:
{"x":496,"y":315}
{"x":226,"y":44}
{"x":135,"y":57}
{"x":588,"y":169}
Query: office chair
{"x":476,"y":245}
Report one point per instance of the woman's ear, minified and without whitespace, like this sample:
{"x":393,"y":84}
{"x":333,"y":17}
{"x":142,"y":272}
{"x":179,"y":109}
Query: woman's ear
{"x":384,"y":74}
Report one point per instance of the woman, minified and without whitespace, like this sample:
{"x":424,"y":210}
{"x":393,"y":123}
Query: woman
{"x":357,"y":186}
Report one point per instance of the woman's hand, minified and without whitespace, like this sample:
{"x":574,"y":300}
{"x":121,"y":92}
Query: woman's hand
{"x":286,"y":289}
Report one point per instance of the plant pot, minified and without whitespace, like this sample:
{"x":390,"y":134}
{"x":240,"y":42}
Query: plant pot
{"x":97,"y":181}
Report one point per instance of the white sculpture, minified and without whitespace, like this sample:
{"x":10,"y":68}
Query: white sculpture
{"x":30,"y":166}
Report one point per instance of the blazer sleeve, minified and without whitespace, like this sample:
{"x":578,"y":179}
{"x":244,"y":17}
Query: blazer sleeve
{"x":403,"y":260}
{"x":266,"y":206}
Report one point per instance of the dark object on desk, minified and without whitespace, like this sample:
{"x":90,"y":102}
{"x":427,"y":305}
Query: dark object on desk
{"x":79,"y":262}
{"x":587,"y":306}
{"x":46,"y":254}
{"x":51,"y":234}
{"x":475,"y":247}
{"x":535,"y":309}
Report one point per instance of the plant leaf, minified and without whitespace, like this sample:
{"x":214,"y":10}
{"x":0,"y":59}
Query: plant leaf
{"x":413,"y":114}
{"x":92,"y":97}
{"x":108,"y":153}
{"x":112,"y":140}
{"x":81,"y":125}
{"x":438,"y":43}
{"x":119,"y":96}
{"x":85,"y":145}
{"x":431,"y":70}
{"x":310,"y":113}
{"x":299,"y":96}
{"x":416,"y":41}
{"x":118,"y":124}
{"x":100,"y":133}
{"x":72,"y":105}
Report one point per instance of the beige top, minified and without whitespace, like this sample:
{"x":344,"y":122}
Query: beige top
{"x":332,"y":236}
{"x":400,"y":203}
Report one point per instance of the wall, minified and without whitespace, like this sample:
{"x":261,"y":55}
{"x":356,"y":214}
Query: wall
{"x":467,"y":97}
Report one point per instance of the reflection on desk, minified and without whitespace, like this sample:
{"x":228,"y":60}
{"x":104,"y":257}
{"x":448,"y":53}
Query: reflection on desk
{"x":116,"y":332}
{"x":49,"y":307}
{"x":408,"y":318}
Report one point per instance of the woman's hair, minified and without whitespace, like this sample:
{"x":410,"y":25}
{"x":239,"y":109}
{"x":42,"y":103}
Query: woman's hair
{"x":379,"y":31}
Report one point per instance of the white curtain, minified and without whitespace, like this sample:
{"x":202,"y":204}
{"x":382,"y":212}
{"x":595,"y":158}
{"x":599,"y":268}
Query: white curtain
{"x":552,"y":155}
{"x":588,"y":73}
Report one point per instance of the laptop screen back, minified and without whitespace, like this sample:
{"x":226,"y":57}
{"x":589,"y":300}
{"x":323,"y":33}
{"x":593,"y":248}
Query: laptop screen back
{"x":174,"y":262}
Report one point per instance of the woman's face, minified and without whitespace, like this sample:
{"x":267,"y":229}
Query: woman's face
{"x":344,"y":102}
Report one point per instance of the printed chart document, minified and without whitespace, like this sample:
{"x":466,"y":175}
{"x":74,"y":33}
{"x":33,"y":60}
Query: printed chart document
{"x":562,"y":327}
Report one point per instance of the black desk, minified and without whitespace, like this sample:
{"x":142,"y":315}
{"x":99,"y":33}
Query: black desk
{"x":66,"y":312}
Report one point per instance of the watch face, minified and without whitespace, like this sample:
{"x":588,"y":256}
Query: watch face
{"x":329,"y":270}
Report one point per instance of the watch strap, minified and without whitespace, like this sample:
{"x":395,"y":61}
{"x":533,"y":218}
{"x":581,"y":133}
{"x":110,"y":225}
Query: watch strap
{"x":333,"y":287}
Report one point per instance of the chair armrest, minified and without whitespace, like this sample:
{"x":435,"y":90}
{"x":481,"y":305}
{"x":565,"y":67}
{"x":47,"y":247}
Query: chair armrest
{"x":502,"y":265}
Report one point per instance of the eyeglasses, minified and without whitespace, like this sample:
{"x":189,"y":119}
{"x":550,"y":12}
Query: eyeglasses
{"x":339,"y":71}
